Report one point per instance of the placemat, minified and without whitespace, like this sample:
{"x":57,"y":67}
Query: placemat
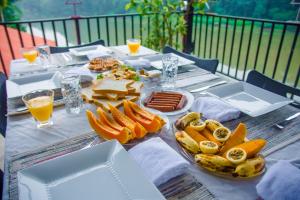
{"x":184,"y":187}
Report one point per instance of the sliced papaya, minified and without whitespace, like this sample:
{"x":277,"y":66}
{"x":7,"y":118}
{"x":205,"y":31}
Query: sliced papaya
{"x":198,"y":137}
{"x":106,"y":119}
{"x":105,"y":131}
{"x":144,"y":113}
{"x":251,"y":147}
{"x":206,"y":133}
{"x":236,"y":138}
{"x":138,"y":130}
{"x":150,"y":125}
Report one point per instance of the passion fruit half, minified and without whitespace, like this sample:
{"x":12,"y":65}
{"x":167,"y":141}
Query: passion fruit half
{"x":222,"y":134}
{"x":209,"y":147}
{"x":236,"y":155}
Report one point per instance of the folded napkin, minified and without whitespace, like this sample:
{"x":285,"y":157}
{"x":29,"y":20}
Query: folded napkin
{"x":158,"y":160}
{"x":80,"y":71}
{"x":139,"y":63}
{"x":213,"y":108}
{"x":280,"y":182}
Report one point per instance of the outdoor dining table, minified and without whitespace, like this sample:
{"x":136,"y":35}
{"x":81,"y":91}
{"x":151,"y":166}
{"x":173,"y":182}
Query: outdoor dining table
{"x":26,"y":145}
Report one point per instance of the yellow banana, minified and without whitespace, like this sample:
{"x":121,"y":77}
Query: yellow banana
{"x":187,"y":142}
{"x":250,"y":167}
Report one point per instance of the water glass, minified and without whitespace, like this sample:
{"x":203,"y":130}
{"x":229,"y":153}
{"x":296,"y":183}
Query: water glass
{"x":44,"y":54}
{"x":170,"y":68}
{"x":40,"y":105}
{"x":71,"y":91}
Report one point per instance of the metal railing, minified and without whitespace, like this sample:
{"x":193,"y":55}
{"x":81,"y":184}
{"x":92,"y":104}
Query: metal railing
{"x":240,"y":44}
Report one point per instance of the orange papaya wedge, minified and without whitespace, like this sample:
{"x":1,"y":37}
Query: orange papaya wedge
{"x":106,"y":119}
{"x":198,"y":137}
{"x":144,"y":113}
{"x":251,"y":147}
{"x":105,"y":131}
{"x":236,"y":138}
{"x":137,"y":129}
{"x":150,"y":125}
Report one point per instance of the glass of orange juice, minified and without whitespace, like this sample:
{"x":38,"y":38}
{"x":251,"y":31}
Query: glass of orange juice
{"x":40,"y":105}
{"x":30,"y":54}
{"x":133,"y":46}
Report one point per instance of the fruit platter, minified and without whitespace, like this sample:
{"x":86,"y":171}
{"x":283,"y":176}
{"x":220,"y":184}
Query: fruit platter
{"x":217,"y":149}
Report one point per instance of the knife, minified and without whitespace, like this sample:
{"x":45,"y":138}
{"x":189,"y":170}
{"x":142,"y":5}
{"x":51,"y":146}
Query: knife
{"x":209,"y":86}
{"x":282,"y":124}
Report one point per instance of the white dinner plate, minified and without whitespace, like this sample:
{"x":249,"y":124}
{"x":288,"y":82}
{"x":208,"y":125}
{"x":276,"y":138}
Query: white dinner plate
{"x":189,"y":97}
{"x":249,"y":99}
{"x":104,"y":171}
{"x":19,"y":86}
{"x":84,"y":51}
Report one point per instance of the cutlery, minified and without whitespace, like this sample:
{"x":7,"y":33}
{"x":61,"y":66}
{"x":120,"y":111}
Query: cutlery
{"x":207,"y":87}
{"x":283,"y":123}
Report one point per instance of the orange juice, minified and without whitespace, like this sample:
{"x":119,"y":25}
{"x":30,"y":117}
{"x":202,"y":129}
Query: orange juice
{"x":30,"y":56}
{"x":41,"y":108}
{"x":133,"y":45}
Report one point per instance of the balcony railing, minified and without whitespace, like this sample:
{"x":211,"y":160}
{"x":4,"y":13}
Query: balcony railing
{"x":240,"y":44}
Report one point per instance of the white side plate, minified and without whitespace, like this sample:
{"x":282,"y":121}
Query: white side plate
{"x":189,"y":97}
{"x":143,"y":51}
{"x":156,"y":60}
{"x":104,"y":171}
{"x":249,"y":99}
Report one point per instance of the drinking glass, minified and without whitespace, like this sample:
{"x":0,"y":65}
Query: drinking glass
{"x":44,"y":54}
{"x":133,"y":46}
{"x":170,"y":68}
{"x":70,"y":87}
{"x":30,"y":54}
{"x":40,"y":105}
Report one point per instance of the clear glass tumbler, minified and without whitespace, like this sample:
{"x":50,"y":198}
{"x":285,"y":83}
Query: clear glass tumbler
{"x":44,"y":54}
{"x":170,"y":68}
{"x":70,"y":87}
{"x":40,"y":105}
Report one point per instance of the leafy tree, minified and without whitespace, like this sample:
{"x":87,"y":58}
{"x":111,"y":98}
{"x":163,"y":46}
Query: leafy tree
{"x":9,"y":11}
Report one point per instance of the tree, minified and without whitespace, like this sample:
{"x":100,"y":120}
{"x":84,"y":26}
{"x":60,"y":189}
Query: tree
{"x":9,"y":11}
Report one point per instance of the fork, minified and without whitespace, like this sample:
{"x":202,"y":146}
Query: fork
{"x":283,"y":123}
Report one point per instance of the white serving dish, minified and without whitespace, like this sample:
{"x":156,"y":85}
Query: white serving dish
{"x":84,"y":51}
{"x":104,"y":171}
{"x":249,"y":99}
{"x":19,"y":86}
{"x":156,"y":60}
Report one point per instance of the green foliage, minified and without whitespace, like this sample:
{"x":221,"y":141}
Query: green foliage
{"x":165,"y":19}
{"x":265,"y":9}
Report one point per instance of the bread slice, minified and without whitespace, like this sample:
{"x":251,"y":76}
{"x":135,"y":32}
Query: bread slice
{"x":87,"y":94}
{"x":108,"y":85}
{"x":103,"y":103}
{"x":135,"y":88}
{"x":114,"y":96}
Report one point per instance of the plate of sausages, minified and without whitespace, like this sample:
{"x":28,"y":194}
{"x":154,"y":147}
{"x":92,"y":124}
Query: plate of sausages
{"x":169,"y":102}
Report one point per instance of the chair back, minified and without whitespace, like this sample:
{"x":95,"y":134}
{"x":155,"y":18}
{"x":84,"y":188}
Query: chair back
{"x":258,"y":79}
{"x":207,"y":64}
{"x":66,"y":49}
{"x":3,"y":104}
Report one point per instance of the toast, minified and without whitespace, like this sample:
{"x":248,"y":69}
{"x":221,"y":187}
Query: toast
{"x":135,"y":88}
{"x":108,"y":85}
{"x":103,"y":103}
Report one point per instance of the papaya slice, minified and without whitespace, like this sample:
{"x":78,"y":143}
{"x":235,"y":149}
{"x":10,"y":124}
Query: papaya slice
{"x":138,"y":130}
{"x":251,"y":147}
{"x":198,"y":137}
{"x":150,"y":125}
{"x":105,"y":131}
{"x":144,"y":113}
{"x":106,"y":119}
{"x":206,"y":133}
{"x":236,"y":138}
